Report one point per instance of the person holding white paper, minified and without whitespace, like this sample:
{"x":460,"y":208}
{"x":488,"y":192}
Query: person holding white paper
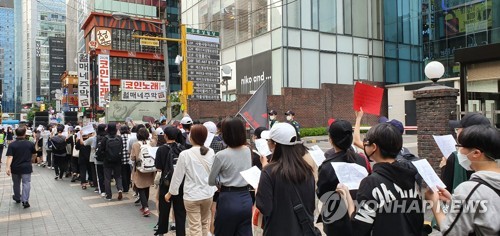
{"x":478,"y":151}
{"x":340,"y":135}
{"x":389,"y":199}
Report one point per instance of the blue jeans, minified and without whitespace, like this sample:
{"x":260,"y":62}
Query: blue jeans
{"x":26,"y":180}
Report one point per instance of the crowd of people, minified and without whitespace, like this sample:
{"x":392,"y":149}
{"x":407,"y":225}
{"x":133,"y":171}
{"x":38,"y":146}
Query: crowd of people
{"x":196,"y":171}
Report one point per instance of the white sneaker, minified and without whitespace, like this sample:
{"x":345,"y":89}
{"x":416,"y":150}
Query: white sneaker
{"x":51,"y":168}
{"x":103,"y":194}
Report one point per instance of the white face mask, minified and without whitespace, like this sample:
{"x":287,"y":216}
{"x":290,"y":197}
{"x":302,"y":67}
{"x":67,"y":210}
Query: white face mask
{"x":464,"y":161}
{"x":272,"y":117}
{"x":288,"y":118}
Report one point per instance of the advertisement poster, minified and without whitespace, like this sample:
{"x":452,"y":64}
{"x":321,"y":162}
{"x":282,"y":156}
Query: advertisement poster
{"x":143,"y":90}
{"x":120,"y":110}
{"x":253,"y":71}
{"x":83,"y":80}
{"x":104,"y":80}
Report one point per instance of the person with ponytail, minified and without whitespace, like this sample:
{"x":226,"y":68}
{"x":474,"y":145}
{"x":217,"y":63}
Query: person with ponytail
{"x":193,"y":166}
{"x":340,"y":136}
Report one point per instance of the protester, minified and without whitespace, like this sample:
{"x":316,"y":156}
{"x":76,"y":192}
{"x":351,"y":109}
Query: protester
{"x":126,"y":167}
{"x":159,"y":136}
{"x":452,"y":173}
{"x":215,"y":144}
{"x":10,"y":135}
{"x":403,"y":211}
{"x":234,"y":205}
{"x":286,"y":183}
{"x":39,"y":147}
{"x":166,"y":158}
{"x":193,"y":166}
{"x":186,"y":122}
{"x":340,"y":136}
{"x":19,"y":156}
{"x":478,"y":151}
{"x":2,"y":142}
{"x":111,"y":147}
{"x":74,"y":153}
{"x":58,"y":143}
{"x":142,"y":181}
{"x":47,"y":134}
{"x":99,"y":158}
{"x":86,"y":158}
{"x":255,"y":153}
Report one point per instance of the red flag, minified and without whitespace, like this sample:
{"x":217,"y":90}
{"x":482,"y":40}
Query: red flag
{"x":368,"y":97}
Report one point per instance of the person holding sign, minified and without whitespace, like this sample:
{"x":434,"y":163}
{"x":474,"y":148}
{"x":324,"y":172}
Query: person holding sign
{"x":478,"y":151}
{"x":389,"y":199}
{"x":285,"y":195}
{"x":340,"y":136}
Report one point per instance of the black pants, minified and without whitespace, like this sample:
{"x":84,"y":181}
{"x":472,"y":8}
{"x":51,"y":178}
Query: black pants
{"x":49,"y":158}
{"x":234,"y":214}
{"x":100,"y":177}
{"x":1,"y":151}
{"x":116,"y":173}
{"x":126,"y":174}
{"x":93,"y":175}
{"x":75,"y":165}
{"x":144,"y":196}
{"x":84,"y":166}
{"x":177,"y":202}
{"x":60,"y":164}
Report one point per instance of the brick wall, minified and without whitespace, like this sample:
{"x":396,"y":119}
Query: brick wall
{"x":312,"y":107}
{"x":435,"y":107}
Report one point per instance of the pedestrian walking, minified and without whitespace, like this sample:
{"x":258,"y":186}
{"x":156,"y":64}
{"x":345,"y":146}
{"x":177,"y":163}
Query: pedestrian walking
{"x":166,"y":158}
{"x":111,"y":147}
{"x":234,"y":204}
{"x":193,"y":167}
{"x":19,"y":156}
{"x":10,"y":135}
{"x":2,"y":142}
{"x":58,"y":143}
{"x":85,"y":154}
{"x":99,"y":158}
{"x":478,"y":151}
{"x":126,"y":167}
{"x":142,"y":181}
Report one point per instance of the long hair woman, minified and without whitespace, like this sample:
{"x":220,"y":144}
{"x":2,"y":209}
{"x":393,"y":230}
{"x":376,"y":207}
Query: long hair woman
{"x":234,"y":205}
{"x":285,"y":183}
{"x":142,"y":181}
{"x":194,"y":167}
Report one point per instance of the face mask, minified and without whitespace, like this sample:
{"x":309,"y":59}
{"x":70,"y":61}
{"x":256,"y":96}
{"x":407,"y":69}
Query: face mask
{"x":272,"y":117}
{"x":464,"y":161}
{"x":289,"y":118}
{"x":366,"y":154}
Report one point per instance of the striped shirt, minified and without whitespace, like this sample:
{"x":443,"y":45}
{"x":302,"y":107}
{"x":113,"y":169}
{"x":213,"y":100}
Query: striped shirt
{"x":126,"y":153}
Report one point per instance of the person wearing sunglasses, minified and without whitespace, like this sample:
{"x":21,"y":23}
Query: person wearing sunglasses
{"x":477,"y":151}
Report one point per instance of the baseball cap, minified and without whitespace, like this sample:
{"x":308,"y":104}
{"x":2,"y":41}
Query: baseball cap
{"x":78,"y":127}
{"x":186,"y":120}
{"x":396,"y":123}
{"x":159,"y":131}
{"x":282,"y":133}
{"x":272,"y":112}
{"x":289,"y":112}
{"x":469,"y":119}
{"x":211,"y":127}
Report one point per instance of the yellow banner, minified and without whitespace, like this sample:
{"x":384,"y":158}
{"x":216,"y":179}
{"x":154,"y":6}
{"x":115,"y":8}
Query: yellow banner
{"x":149,"y":42}
{"x":471,"y":18}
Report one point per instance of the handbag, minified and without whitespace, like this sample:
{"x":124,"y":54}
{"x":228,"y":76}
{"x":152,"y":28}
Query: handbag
{"x":75,"y":152}
{"x":308,"y":229}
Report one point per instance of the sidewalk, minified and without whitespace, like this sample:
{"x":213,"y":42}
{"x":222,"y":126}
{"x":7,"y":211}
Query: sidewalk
{"x":63,"y":208}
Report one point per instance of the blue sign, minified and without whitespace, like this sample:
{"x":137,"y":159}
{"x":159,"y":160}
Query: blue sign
{"x":40,"y":98}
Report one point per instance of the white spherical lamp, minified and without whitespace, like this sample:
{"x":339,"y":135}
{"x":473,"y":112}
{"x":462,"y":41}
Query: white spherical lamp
{"x":434,"y":70}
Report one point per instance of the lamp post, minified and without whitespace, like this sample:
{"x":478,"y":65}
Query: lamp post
{"x":434,"y":70}
{"x":122,"y":16}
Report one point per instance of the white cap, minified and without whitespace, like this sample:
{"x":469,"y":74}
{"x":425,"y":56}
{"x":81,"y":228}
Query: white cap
{"x":159,"y":131}
{"x":282,"y":133}
{"x":186,"y":120}
{"x":211,"y":127}
{"x":78,"y":127}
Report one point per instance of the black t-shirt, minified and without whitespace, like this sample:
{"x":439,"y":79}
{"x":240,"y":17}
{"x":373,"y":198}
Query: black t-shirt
{"x":21,"y":151}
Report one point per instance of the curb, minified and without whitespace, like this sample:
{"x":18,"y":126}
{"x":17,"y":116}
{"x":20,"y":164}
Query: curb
{"x":315,"y":140}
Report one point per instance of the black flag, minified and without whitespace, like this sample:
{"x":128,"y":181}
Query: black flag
{"x":255,"y":109}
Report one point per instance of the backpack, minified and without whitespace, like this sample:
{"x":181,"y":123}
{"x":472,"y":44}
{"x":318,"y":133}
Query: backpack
{"x":99,"y":153}
{"x":146,"y":162}
{"x":58,"y":144}
{"x":172,"y":157}
{"x":114,"y":149}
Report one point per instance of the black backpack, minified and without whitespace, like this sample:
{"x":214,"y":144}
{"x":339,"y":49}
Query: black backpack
{"x":172,"y":157}
{"x":114,"y":148}
{"x":99,"y":152}
{"x":58,"y":144}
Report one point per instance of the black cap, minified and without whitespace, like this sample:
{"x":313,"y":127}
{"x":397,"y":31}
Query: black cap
{"x":469,"y":119}
{"x":289,"y":112}
{"x":258,"y":131}
{"x":272,"y":112}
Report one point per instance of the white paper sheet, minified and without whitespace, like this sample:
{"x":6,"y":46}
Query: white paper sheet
{"x":262,"y":147}
{"x":152,"y":151}
{"x":209,"y":139}
{"x":349,"y":174}
{"x":428,"y":174}
{"x":252,"y":176}
{"x":446,"y":144}
{"x":88,"y":129}
{"x":317,"y":154}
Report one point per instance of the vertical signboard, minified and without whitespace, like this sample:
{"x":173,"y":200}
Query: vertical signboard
{"x":83,"y":80}
{"x":57,"y":61}
{"x":203,"y":49}
{"x":104,"y":87}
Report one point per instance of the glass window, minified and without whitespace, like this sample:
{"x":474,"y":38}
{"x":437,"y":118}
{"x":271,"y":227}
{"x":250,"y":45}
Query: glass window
{"x":277,"y":80}
{"x":294,"y":68}
{"x":243,"y":16}
{"x":260,"y":17}
{"x":305,"y":14}
{"x":292,"y":13}
{"x":228,"y":23}
{"x":404,"y":71}
{"x":327,"y":16}
{"x":378,"y":69}
{"x":310,"y":69}
{"x":345,"y":76}
{"x":276,"y":13}
{"x":360,"y":21}
{"x":391,"y":71}
{"x":376,"y":19}
{"x":347,"y":17}
{"x":328,"y":65}
{"x":390,"y":21}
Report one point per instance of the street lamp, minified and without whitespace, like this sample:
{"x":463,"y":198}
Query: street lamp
{"x":124,"y":16}
{"x":434,"y":71}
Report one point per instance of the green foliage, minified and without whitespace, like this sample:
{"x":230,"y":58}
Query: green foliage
{"x":305,"y":132}
{"x":31,"y":113}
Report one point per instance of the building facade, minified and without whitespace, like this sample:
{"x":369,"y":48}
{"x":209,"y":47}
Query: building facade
{"x":7,"y":56}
